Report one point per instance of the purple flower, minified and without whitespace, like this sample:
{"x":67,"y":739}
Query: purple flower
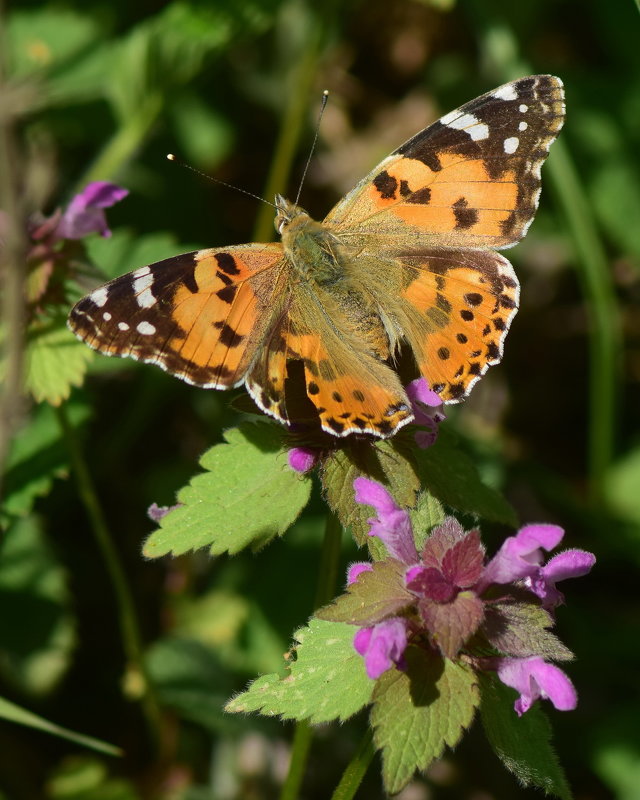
{"x":570,"y":564}
{"x":156,"y":512}
{"x":535,"y":678}
{"x":357,"y":569}
{"x":382,"y":645}
{"x":521,"y":555}
{"x":393,"y":525}
{"x":85,"y":214}
{"x":302,"y":459}
{"x":427,"y":411}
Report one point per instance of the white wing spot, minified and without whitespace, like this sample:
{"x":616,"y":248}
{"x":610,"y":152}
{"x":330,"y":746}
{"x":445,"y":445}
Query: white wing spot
{"x":99,"y":297}
{"x":142,"y":290}
{"x":468,"y":123}
{"x":523,"y":126}
{"x":123,"y":326}
{"x":524,"y":108}
{"x":106,"y":316}
{"x":140,"y":273}
{"x":507,"y":92}
{"x":145,"y":328}
{"x":511,"y":144}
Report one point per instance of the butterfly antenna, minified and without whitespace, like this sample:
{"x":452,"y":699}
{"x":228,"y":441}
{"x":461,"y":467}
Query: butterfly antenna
{"x":325,"y":97}
{"x":184,"y":164}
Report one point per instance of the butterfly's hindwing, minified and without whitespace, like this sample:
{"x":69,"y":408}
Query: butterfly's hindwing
{"x":455,"y":340}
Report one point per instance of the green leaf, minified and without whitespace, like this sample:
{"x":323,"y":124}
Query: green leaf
{"x":166,"y":51}
{"x":41,"y":39}
{"x":205,"y":135}
{"x":247,"y":494}
{"x":622,"y":483}
{"x":37,"y":456}
{"x":389,"y":462}
{"x":451,"y":476}
{"x":520,"y":630}
{"x":85,"y":778}
{"x":190,"y":679}
{"x":327,"y":679}
{"x":523,"y":744}
{"x":36,"y":652}
{"x":375,"y":595}
{"x":54,"y":361}
{"x":14,"y":713}
{"x":417,"y":713}
{"x":424,"y":517}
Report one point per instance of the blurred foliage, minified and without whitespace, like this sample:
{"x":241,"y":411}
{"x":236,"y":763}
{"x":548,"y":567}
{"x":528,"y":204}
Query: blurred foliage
{"x":103,"y":90}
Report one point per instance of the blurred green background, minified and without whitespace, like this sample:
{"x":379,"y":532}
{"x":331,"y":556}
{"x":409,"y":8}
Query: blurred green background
{"x":103,"y":90}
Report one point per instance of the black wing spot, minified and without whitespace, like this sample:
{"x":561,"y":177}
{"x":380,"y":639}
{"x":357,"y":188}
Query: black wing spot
{"x":230,"y":337}
{"x":386,"y":185}
{"x":421,"y":197}
{"x":465,"y":217}
{"x":227,"y":294}
{"x":227,"y":263}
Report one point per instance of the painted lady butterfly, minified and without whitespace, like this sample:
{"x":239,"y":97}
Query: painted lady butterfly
{"x":408,"y":256}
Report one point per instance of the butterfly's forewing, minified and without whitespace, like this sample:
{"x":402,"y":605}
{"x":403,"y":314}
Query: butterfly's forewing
{"x":472,"y":179}
{"x":434,"y":207}
{"x":201,"y":316}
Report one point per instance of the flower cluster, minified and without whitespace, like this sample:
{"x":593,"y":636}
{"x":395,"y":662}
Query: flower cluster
{"x":449,"y":598}
{"x":55,"y":240}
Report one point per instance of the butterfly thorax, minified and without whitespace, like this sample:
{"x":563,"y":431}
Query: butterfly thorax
{"x":313,"y":250}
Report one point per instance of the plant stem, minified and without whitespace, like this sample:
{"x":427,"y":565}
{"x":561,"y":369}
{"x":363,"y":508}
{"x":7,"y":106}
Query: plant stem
{"x":290,"y":128}
{"x":356,"y":769}
{"x":604,"y":321}
{"x":124,"y":143}
{"x":329,"y":564}
{"x":129,"y":627}
{"x":299,"y":754}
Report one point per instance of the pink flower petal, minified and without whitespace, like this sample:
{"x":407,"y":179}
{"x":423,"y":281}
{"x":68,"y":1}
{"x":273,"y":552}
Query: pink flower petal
{"x":85,"y":215}
{"x":382,"y":645}
{"x":357,"y":569}
{"x":521,"y":555}
{"x":393,"y":525}
{"x":302,"y":459}
{"x":535,"y":678}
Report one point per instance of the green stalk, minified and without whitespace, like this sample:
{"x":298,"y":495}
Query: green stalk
{"x":356,"y":769}
{"x":605,"y":338}
{"x":291,"y":127}
{"x":124,"y":142}
{"x":327,"y":578}
{"x":128,"y":621}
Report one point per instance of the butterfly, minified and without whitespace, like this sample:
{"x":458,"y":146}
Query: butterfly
{"x":408,"y":257}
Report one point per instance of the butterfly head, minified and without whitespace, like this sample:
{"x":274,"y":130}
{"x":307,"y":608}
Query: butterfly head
{"x":286,"y":212}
